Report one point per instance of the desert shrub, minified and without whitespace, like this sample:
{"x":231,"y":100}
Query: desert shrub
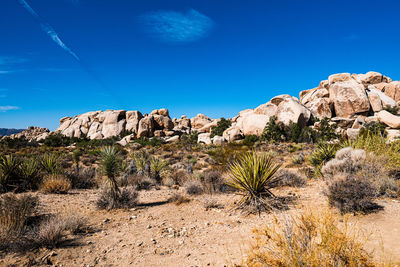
{"x":358,"y":163}
{"x":309,"y":239}
{"x":223,"y":155}
{"x":222,"y":125}
{"x":179,"y":177}
{"x":82,"y":178}
{"x":392,"y":109}
{"x":213,"y":182}
{"x":74,"y":223}
{"x":50,"y":163}
{"x":193,"y":187}
{"x":153,"y":142}
{"x":321,"y":154}
{"x":274,"y":131}
{"x":352,"y":194}
{"x":253,"y":175}
{"x":17,"y":143}
{"x":178,"y":199}
{"x":379,"y":146}
{"x":140,"y":182}
{"x":299,"y":159}
{"x":9,"y":172}
{"x":288,"y":178}
{"x":374,"y":128}
{"x":142,"y":161}
{"x":212,"y":203}
{"x":189,"y":139}
{"x":107,"y":199}
{"x":55,"y":184}
{"x":50,"y":233}
{"x":250,"y":140}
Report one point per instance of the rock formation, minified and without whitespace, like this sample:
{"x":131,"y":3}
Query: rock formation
{"x":350,"y":101}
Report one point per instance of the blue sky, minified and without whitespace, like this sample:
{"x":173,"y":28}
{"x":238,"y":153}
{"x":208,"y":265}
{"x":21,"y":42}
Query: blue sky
{"x":65,"y":57}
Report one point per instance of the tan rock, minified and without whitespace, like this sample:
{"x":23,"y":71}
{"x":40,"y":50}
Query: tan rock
{"x":392,"y":90}
{"x":252,"y":124}
{"x":114,"y":123}
{"x":279,"y":98}
{"x":379,"y":100}
{"x":232,"y":134}
{"x":199,"y":121}
{"x":204,"y":138}
{"x":268,"y":109}
{"x":146,"y":127}
{"x":339,"y":77}
{"x":389,"y":119}
{"x":349,"y":98}
{"x":291,"y":110}
{"x":315,"y":94}
{"x":320,"y":108}
{"x":371,"y":77}
{"x":132,"y":121}
{"x":207,"y":128}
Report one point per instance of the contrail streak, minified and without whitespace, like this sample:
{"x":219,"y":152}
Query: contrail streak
{"x":48,"y":29}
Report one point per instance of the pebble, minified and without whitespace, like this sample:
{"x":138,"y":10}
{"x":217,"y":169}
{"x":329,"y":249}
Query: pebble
{"x":106,"y":220}
{"x":139,"y":244}
{"x":132,"y":217}
{"x":148,"y":226}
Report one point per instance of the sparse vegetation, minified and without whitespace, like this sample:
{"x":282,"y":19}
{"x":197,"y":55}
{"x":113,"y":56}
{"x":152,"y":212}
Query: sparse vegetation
{"x":222,"y":125}
{"x":56,"y":184}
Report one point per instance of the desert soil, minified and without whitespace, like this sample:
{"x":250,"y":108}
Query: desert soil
{"x":157,"y":233}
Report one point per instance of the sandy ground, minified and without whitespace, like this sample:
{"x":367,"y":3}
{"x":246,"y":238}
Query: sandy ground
{"x":157,"y":233}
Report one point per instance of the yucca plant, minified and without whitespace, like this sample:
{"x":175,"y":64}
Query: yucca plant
{"x":76,"y":156}
{"x":252,"y":175}
{"x":29,"y":172}
{"x":50,"y":163}
{"x":141,"y":159}
{"x":322,"y":154}
{"x":9,"y":175}
{"x":110,"y":167}
{"x":157,"y":166}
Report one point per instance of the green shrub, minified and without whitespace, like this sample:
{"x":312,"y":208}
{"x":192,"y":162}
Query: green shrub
{"x":250,"y":140}
{"x":322,"y":154}
{"x":29,"y":171}
{"x":253,"y":175}
{"x":154,"y":141}
{"x":392,"y":109}
{"x":156,"y":167}
{"x":375,"y":128}
{"x":9,"y":172}
{"x":50,"y":163}
{"x":274,"y":131}
{"x":222,"y":125}
{"x":111,"y":168}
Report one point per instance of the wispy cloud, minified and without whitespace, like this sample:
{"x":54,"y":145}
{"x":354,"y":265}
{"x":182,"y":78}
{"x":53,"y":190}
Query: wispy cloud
{"x":8,"y":108}
{"x":6,"y":71}
{"x":48,"y":29}
{"x":177,"y":27}
{"x":8,"y":61}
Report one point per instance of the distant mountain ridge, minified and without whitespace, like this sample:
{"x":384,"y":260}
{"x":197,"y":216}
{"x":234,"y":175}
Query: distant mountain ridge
{"x":7,"y":132}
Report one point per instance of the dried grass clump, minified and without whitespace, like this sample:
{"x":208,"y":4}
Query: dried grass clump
{"x":178,"y":199}
{"x":82,"y":178}
{"x":194,"y":187}
{"x":288,"y":178}
{"x":212,"y":203}
{"x":308,"y":240}
{"x":125,"y":200}
{"x":179,"y":177}
{"x":214,"y":182}
{"x":56,"y":184}
{"x":15,"y":210}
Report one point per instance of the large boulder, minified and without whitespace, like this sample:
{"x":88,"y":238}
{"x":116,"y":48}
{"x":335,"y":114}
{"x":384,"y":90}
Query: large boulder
{"x":389,"y":119}
{"x":114,"y":123}
{"x":320,"y":108}
{"x":146,"y":127}
{"x":199,"y":121}
{"x":290,"y":110}
{"x":339,"y":77}
{"x":232,"y":134}
{"x":391,"y":89}
{"x":268,"y":109}
{"x":349,"y":98}
{"x":314,"y":95}
{"x":204,"y":138}
{"x":279,"y":98}
{"x":252,"y":124}
{"x":371,"y":77}
{"x":207,"y":128}
{"x":379,"y":100}
{"x":132,"y":121}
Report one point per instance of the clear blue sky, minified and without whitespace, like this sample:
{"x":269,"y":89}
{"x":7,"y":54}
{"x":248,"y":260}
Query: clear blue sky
{"x":65,"y":57}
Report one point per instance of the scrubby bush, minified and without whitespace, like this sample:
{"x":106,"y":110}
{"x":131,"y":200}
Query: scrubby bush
{"x":223,"y":155}
{"x":309,"y":239}
{"x":374,"y":128}
{"x":250,"y":140}
{"x":125,"y":200}
{"x":253,"y":175}
{"x":288,"y":178}
{"x":193,"y":187}
{"x":55,"y":184}
{"x":178,"y":199}
{"x":392,"y":109}
{"x":153,"y":142}
{"x":213,"y":182}
{"x":352,"y":194}
{"x":82,"y":178}
{"x":222,"y":125}
{"x":179,"y":177}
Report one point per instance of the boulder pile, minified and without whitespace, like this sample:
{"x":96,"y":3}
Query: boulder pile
{"x":31,"y":133}
{"x":348,"y":100}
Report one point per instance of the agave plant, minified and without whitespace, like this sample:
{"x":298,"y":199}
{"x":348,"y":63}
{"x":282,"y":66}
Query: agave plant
{"x":157,"y":166}
{"x":252,"y":175}
{"x":50,"y":163}
{"x":111,"y":167}
{"x":9,"y":171}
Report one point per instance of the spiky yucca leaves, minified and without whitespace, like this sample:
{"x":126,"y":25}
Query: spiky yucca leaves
{"x":9,"y":173}
{"x":111,"y":167}
{"x":29,"y":171}
{"x":157,"y":166}
{"x":252,"y":175}
{"x":141,"y":158}
{"x":323,"y":153}
{"x":50,"y":163}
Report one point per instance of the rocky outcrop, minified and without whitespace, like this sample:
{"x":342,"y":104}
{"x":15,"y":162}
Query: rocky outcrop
{"x":349,"y":100}
{"x":31,"y":134}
